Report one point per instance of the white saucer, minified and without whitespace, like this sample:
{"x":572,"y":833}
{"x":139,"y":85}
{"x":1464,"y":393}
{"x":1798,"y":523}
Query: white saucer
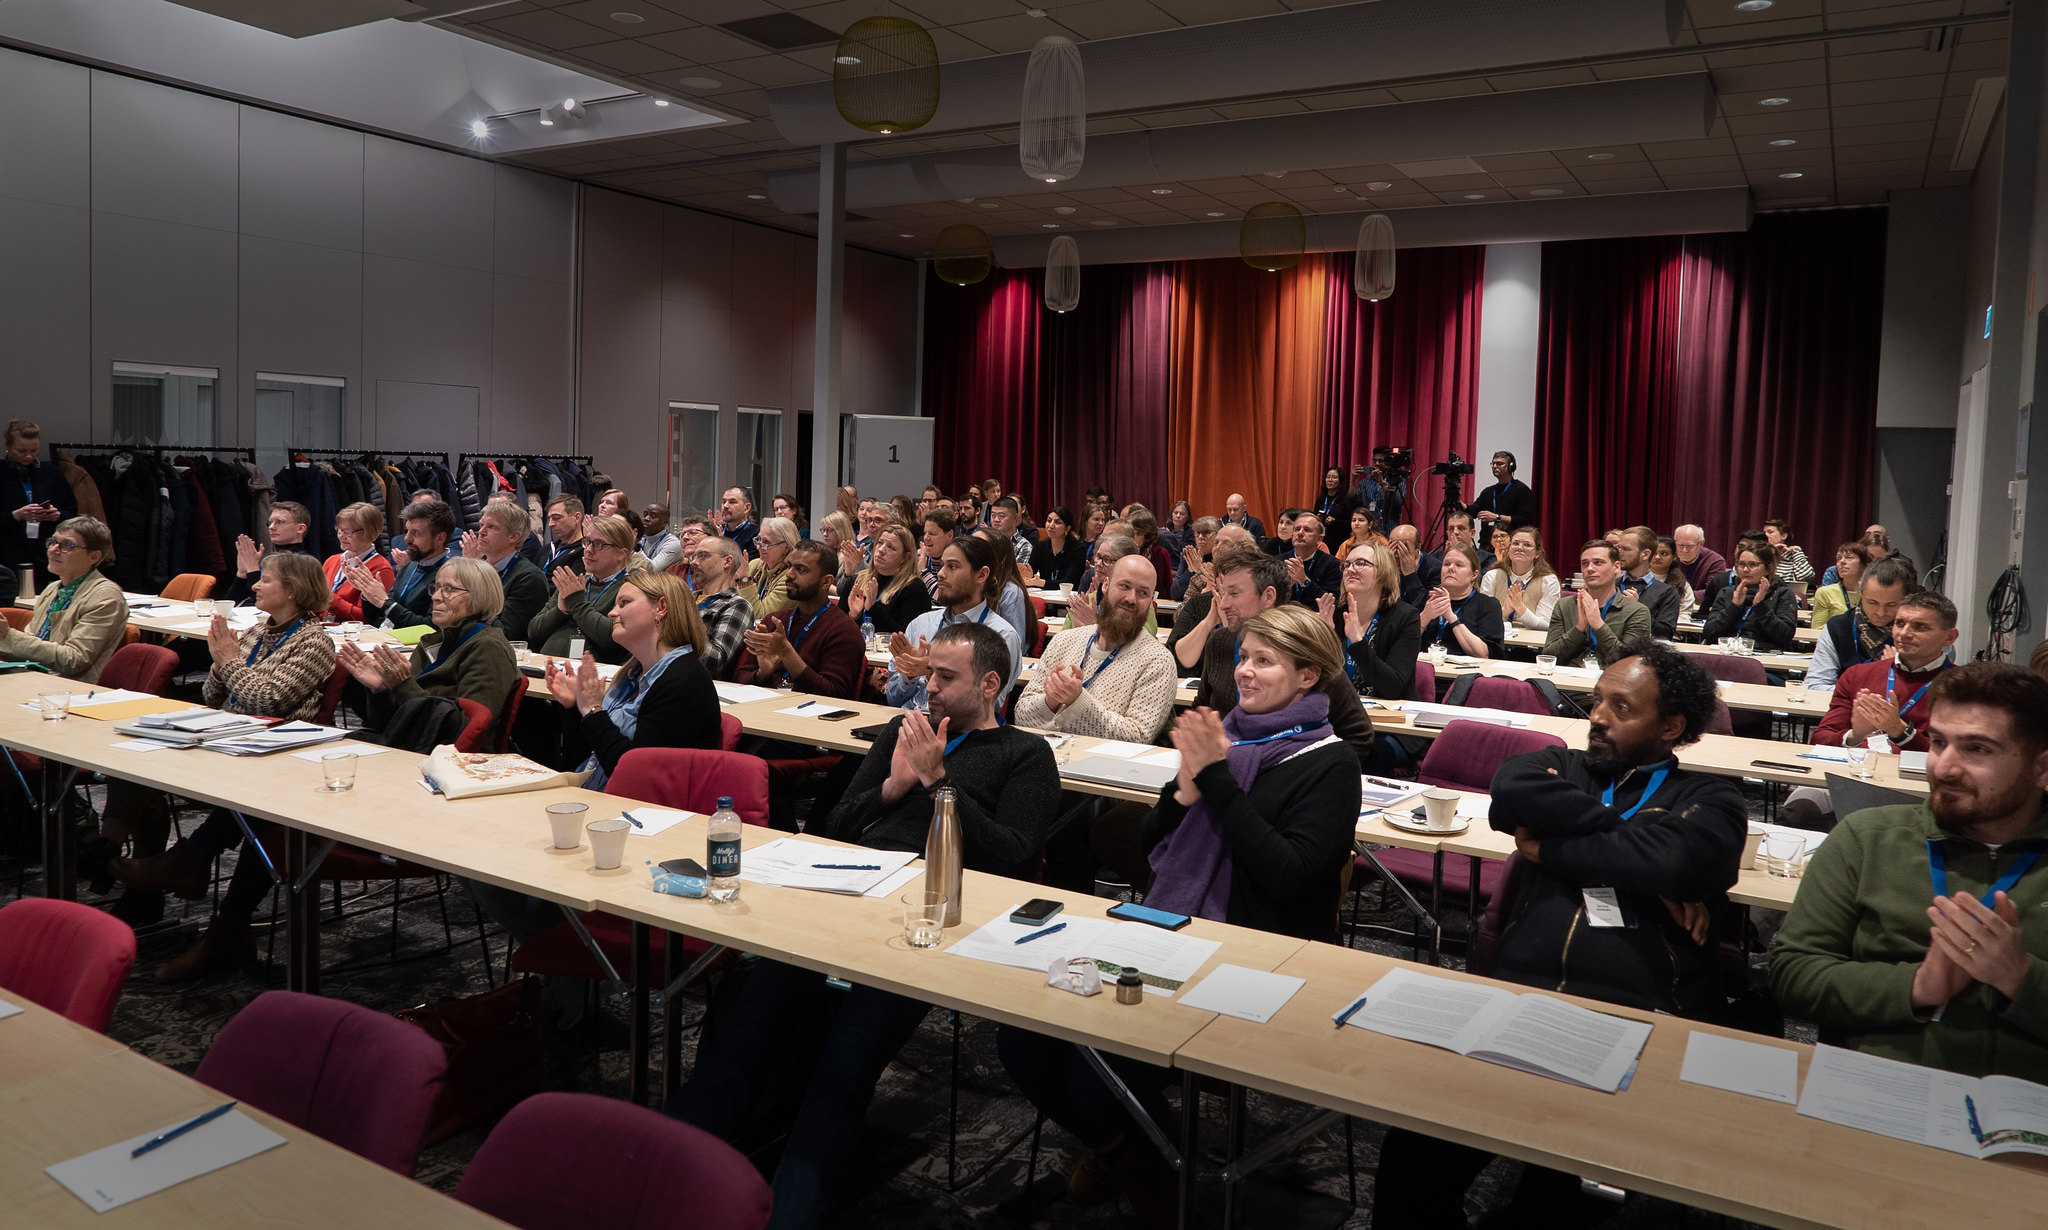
{"x":1409,"y":824}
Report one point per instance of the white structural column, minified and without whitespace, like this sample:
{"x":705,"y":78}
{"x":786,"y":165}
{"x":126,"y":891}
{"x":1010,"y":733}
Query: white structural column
{"x":1508,"y":322}
{"x":825,"y":328}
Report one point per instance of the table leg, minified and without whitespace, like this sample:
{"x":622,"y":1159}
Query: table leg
{"x":1190,"y":1128}
{"x":637,"y":1029}
{"x":302,"y":912}
{"x":60,"y":878}
{"x":671,"y":1021}
{"x":1233,"y":1145}
{"x":1436,"y":906}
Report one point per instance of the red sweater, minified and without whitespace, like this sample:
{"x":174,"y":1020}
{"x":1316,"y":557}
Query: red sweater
{"x":1871,"y":677}
{"x":834,"y":658}
{"x":347,"y":603}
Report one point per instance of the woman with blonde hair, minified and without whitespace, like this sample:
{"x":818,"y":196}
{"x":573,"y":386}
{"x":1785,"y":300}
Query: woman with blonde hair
{"x":1524,"y":583}
{"x":662,"y":698}
{"x":356,"y":528}
{"x":836,"y":532}
{"x":1379,"y":633}
{"x":768,"y":592}
{"x":889,"y":591}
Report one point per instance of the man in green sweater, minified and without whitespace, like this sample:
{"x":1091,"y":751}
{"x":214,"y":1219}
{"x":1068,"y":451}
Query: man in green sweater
{"x":1919,"y":932}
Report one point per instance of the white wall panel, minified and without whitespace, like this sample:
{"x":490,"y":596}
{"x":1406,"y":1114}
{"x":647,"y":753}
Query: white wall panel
{"x":421,"y":204}
{"x":300,"y":181}
{"x":46,"y":317}
{"x":162,"y":153}
{"x":162,"y":293}
{"x":48,"y":160}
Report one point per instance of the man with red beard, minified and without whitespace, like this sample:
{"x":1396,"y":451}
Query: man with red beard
{"x":1919,"y":931}
{"x":1109,"y":679}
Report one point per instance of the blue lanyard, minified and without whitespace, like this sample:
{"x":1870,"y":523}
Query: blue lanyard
{"x":282,"y":637}
{"x":1891,"y":679}
{"x":450,"y":652}
{"x":1100,"y":666}
{"x":610,"y":588}
{"x":798,"y":639}
{"x":1656,"y":780}
{"x":1496,"y":497}
{"x":1459,"y":610}
{"x":420,"y":576}
{"x":556,"y":558}
{"x":1592,"y":637}
{"x":702,"y":603}
{"x":1289,"y":733}
{"x":1350,"y":663}
{"x":1937,"y":866}
{"x":954,"y":742}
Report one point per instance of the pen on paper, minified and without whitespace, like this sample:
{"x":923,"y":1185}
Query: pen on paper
{"x":1976,"y":1129}
{"x":1345,"y":1015}
{"x":163,"y":1138}
{"x":631,"y":819}
{"x":846,"y":866}
{"x":1026,"y":939}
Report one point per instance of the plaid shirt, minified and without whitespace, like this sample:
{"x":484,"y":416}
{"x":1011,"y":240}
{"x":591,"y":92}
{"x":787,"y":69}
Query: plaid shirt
{"x":726,"y":617}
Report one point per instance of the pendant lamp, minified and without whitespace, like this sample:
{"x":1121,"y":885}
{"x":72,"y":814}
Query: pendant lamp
{"x":1063,"y":275}
{"x":963,"y":255}
{"x":885,"y":75}
{"x":1372,"y":270}
{"x":1273,"y":236}
{"x":1053,"y":133}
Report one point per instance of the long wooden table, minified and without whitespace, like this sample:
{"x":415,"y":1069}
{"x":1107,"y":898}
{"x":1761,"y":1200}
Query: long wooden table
{"x":66,"y":1090}
{"x":1808,"y":705}
{"x":1531,"y":640}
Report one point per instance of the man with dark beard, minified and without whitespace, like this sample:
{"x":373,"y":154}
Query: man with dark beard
{"x":813,"y":645}
{"x":1631,"y":860}
{"x":1919,"y":931}
{"x":1109,"y":680}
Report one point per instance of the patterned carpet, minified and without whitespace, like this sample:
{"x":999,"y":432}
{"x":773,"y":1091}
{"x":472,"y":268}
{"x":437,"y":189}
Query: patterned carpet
{"x":903,"y":1172}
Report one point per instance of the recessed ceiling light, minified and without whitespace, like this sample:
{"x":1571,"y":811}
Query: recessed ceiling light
{"x":1781,"y":141}
{"x":1475,"y":196}
{"x":1340,"y":188}
{"x":757,"y":196}
{"x":1216,"y":213}
{"x":1050,"y":226}
{"x":1162,"y":192}
{"x":699,"y":83}
{"x":991,"y":204}
{"x":1034,"y":12}
{"x":1772,"y":102}
{"x":545,"y":122}
{"x":1546,"y":192}
{"x":1790,"y":174}
{"x":1598,"y":157}
{"x":661,"y":102}
{"x":846,"y":60}
{"x":1063,"y":209}
{"x":1752,"y":6}
{"x":1379,"y":185}
{"x":628,"y":19}
{"x":479,"y":129}
{"x":906,"y":235}
{"x":1276,"y":175}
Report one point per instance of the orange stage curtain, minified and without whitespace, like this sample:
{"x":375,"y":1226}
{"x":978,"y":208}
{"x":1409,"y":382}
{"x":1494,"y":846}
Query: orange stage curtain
{"x":1245,"y":389}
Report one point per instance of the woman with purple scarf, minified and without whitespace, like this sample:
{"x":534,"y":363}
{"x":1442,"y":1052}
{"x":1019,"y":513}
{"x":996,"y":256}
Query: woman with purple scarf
{"x":1255,"y":831}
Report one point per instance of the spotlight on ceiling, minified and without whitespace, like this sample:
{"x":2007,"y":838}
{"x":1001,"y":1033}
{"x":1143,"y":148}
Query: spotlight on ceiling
{"x":480,"y":129}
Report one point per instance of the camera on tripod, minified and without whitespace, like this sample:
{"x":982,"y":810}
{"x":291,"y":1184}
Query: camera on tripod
{"x":1399,"y":463}
{"x":1452,"y":470}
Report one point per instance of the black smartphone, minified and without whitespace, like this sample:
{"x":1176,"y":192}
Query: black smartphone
{"x":837,"y":715}
{"x":870,"y":732}
{"x":1779,"y":764}
{"x":1035,"y":911}
{"x":1129,"y":912}
{"x":684,"y":867}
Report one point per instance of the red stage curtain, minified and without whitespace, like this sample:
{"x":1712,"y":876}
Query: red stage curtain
{"x":984,"y":384}
{"x":1404,"y":371}
{"x":1247,"y":380}
{"x":1607,"y":349}
{"x":1777,"y":389}
{"x":1107,"y":380}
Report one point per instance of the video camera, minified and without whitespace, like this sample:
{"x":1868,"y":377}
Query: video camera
{"x":1454,"y":469}
{"x":1399,"y":462}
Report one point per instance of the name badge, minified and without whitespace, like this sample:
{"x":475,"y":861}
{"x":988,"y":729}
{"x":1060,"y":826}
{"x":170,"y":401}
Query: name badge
{"x":1603,"y":908}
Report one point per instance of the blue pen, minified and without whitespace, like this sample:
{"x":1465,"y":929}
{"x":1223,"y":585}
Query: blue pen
{"x":631,"y":819}
{"x":1036,"y":934}
{"x":164,"y":1138}
{"x":846,"y":866}
{"x":1975,"y":1129}
{"x":1345,"y":1015}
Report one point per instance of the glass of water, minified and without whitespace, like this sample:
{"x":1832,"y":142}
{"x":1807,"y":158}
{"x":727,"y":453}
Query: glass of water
{"x":924,"y":917}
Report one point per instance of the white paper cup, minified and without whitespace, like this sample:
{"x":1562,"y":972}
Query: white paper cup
{"x":566,"y":820}
{"x":1066,"y":590}
{"x":1440,"y":809}
{"x":608,"y":841}
{"x":338,"y":772}
{"x":1753,"y":845}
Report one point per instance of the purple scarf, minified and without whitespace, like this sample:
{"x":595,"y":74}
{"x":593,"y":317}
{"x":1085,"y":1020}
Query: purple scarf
{"x":1191,"y":868}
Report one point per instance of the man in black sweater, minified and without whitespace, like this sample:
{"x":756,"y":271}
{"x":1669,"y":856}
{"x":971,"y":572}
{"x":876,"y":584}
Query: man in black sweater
{"x":1629,"y":859}
{"x":1508,"y":502}
{"x":1638,"y":544}
{"x":1006,"y":790}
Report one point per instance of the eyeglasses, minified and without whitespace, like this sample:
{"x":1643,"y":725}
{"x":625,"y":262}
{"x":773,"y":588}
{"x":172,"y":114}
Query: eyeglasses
{"x":59,"y":546}
{"x":1358,"y":565}
{"x":445,"y":591}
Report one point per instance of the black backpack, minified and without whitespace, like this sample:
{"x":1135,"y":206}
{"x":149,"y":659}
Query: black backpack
{"x":1560,"y":704}
{"x":420,"y":725}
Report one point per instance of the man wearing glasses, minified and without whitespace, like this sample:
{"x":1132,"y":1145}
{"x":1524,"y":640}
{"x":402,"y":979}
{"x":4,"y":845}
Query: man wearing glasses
{"x":80,"y":617}
{"x":714,"y":564}
{"x":429,"y":524}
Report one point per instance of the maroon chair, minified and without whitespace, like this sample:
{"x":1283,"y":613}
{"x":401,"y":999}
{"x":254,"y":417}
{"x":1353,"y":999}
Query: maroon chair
{"x":1425,"y":681}
{"x":1506,"y":692}
{"x":511,"y":715}
{"x":730,"y":729}
{"x":70,"y":958}
{"x":330,"y":697}
{"x":1463,"y":757}
{"x":1035,"y":636}
{"x":1734,"y":669}
{"x":1485,"y":953}
{"x":687,"y":779}
{"x":359,"y":1078}
{"x":1722,"y":723}
{"x":472,"y":737}
{"x":140,"y":668}
{"x":567,"y":1161}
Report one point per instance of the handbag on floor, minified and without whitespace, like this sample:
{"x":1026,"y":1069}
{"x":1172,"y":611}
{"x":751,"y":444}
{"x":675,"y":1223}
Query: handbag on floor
{"x":493,"y":1042}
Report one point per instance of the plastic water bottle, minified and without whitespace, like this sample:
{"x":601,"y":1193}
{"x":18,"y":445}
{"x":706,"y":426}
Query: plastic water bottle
{"x":867,"y":631}
{"x":722,"y":851}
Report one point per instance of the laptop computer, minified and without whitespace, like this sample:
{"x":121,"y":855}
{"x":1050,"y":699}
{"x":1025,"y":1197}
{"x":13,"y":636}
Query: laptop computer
{"x":1110,"y":771}
{"x":1849,"y":795}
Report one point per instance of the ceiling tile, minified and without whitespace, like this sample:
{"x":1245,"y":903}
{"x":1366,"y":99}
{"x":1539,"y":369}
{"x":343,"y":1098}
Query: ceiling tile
{"x":1596,"y":172}
{"x":653,"y":18}
{"x":1113,"y":18}
{"x":1608,"y":187}
{"x":1347,"y":99}
{"x":626,"y":56}
{"x":1869,"y":134}
{"x":1014,"y":33}
{"x":1889,"y":64}
{"x":768,"y":71}
{"x":1698,"y":166}
{"x":1441,"y":89}
{"x":1704,"y":148}
{"x":1533,"y":161}
{"x":1708,"y":14}
{"x":547,"y":31}
{"x":953,"y":12}
{"x":1722,"y":179}
{"x":1541,"y":80}
{"x":1206,"y":12}
{"x":1887,"y":113}
{"x":1772,"y":79}
{"x":703,"y":45}
{"x":1528,"y":179}
{"x":1456,"y":183}
{"x":1857,"y":93}
{"x":1990,"y":56}
{"x":1553,"y":191}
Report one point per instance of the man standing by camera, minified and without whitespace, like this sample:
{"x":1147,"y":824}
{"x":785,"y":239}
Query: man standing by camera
{"x":1508,"y":503}
{"x":1384,"y":488}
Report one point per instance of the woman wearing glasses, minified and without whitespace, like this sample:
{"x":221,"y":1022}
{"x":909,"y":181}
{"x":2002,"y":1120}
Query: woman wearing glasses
{"x":582,"y":609}
{"x":80,"y":618}
{"x":465,"y":657}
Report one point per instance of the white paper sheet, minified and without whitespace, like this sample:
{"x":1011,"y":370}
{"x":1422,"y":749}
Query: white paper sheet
{"x":1170,"y":757}
{"x":315,"y":755}
{"x":813,"y":708}
{"x":97,"y":696}
{"x":8,"y":1010}
{"x":109,"y":1178}
{"x":654,"y":820}
{"x":792,"y":862}
{"x":1119,"y":749}
{"x":1752,"y":1068}
{"x":895,"y":883}
{"x":1153,"y":951}
{"x":1901,"y":1100}
{"x":743,"y":693}
{"x":1474,"y":806}
{"x":143,"y":745}
{"x":996,"y":941}
{"x":1247,"y":994}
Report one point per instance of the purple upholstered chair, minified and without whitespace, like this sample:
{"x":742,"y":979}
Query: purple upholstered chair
{"x":1738,"y":670}
{"x":345,"y":1073}
{"x":1463,"y":757}
{"x":1425,"y":681}
{"x":567,"y":1161}
{"x":1505,"y":692}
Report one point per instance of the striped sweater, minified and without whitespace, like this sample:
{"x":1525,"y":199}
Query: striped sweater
{"x":288,"y":678}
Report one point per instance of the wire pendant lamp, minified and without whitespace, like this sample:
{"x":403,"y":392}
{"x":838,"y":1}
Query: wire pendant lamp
{"x":1273,"y":236}
{"x":963,"y":255}
{"x":1372,"y":269}
{"x":1053,"y":132}
{"x":1063,"y":275}
{"x":885,"y":75}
